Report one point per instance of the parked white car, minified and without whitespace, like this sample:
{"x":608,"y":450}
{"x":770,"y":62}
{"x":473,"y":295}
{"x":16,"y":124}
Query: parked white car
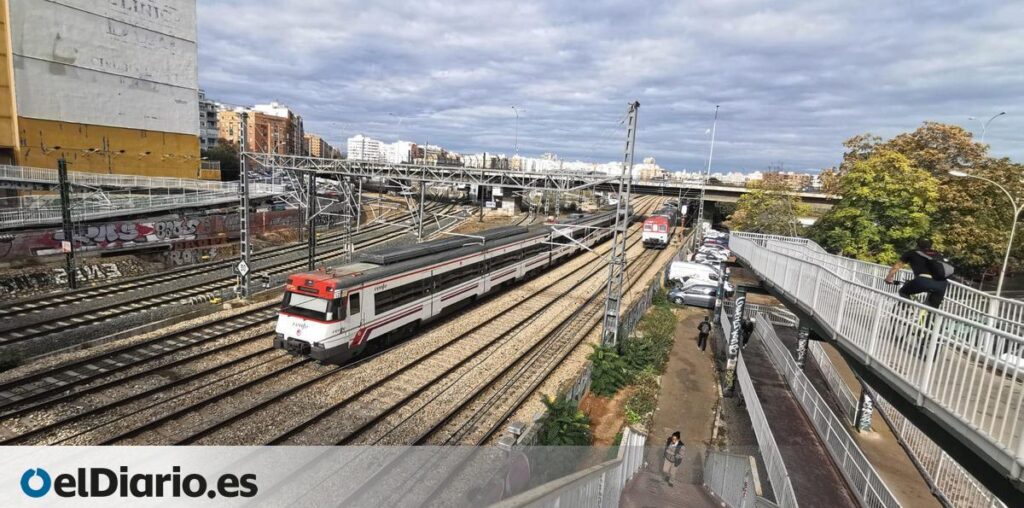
{"x":683,"y":270}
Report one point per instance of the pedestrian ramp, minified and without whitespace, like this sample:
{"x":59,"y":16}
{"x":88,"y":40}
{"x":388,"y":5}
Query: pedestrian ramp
{"x":961,"y":366}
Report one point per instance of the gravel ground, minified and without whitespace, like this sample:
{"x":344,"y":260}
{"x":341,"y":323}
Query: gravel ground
{"x":570,"y":369}
{"x":42,"y":363}
{"x":213,"y":283}
{"x":261,"y":425}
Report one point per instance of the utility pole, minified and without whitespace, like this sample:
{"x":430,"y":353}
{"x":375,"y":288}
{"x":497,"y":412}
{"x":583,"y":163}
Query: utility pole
{"x":617,"y":262}
{"x":311,"y":206}
{"x":68,"y":245}
{"x":707,"y":171}
{"x":243,"y":267}
{"x":423,"y":199}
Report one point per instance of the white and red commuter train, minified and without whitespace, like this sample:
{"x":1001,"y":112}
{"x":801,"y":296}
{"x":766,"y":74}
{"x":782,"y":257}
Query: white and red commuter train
{"x":380,"y":298}
{"x":660,"y":225}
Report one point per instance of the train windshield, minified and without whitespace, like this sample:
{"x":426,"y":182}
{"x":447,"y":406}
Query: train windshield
{"x":313,"y":307}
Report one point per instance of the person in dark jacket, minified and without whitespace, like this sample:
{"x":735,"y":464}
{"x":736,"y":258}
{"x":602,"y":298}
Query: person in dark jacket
{"x":674,"y":448}
{"x":928,"y":277}
{"x":703,"y":329}
{"x":747,"y":326}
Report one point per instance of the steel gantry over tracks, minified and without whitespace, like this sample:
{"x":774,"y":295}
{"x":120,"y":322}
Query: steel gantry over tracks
{"x":960,"y":367}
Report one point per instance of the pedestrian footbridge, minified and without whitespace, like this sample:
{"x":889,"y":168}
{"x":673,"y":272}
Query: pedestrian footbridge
{"x":100,"y":196}
{"x":961,"y":366}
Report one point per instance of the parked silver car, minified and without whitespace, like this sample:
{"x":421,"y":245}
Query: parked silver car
{"x":697,"y":295}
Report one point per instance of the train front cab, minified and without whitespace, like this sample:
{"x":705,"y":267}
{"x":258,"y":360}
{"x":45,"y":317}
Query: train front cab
{"x":317,"y":327}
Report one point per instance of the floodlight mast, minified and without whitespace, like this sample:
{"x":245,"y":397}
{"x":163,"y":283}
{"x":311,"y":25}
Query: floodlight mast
{"x":617,"y":261}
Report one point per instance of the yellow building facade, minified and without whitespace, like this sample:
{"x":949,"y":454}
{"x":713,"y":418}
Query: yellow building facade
{"x":110,"y":86}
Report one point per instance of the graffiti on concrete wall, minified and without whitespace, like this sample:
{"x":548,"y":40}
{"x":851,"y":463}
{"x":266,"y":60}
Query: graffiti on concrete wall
{"x":143,"y":234}
{"x":48,"y":278}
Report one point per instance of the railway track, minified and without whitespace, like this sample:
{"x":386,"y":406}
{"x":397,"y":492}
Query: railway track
{"x":194,"y":406}
{"x":50,"y":302}
{"x":482,"y":338}
{"x":103,"y":312}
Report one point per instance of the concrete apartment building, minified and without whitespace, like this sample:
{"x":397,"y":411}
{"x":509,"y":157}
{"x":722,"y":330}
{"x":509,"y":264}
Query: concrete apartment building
{"x":317,"y":146}
{"x":275,"y":133}
{"x":208,"y":122}
{"x":112,"y":87}
{"x":362,"y":148}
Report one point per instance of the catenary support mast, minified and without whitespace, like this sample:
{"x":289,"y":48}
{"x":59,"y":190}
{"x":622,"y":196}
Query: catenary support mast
{"x":617,"y":262}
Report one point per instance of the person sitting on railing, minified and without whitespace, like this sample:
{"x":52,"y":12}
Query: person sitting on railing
{"x":930,"y":271}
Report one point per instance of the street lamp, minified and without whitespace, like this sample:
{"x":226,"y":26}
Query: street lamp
{"x":516,"y":111}
{"x":1017,"y":208}
{"x":984,"y":125}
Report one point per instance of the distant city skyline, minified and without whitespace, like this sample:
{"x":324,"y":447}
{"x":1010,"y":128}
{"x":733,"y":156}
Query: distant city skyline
{"x":793,"y":81}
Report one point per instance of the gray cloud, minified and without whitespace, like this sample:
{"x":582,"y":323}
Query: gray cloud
{"x":793,"y":80}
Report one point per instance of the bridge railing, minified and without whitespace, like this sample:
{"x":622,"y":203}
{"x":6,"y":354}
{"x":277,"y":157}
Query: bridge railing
{"x":961,"y":300}
{"x":595,"y":487}
{"x":967,"y":373}
{"x":778,"y":475}
{"x":864,"y":481}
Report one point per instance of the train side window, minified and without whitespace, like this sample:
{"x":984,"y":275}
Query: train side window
{"x":353,"y":304}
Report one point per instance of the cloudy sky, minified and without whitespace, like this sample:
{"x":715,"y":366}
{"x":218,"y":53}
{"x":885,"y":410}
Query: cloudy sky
{"x":793,"y":79}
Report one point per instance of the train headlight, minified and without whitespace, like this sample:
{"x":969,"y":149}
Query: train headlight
{"x":280,"y":337}
{"x":318,"y":345}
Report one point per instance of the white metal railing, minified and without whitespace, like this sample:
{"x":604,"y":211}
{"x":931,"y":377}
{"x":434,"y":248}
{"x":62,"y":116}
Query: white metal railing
{"x":732,"y":478}
{"x":966,"y":373}
{"x":960,"y":300}
{"x":864,"y":481}
{"x":597,"y":487}
{"x":777,"y":473}
{"x":947,"y":477}
{"x":777,"y":315}
{"x":40,"y":211}
{"x":847,"y":399}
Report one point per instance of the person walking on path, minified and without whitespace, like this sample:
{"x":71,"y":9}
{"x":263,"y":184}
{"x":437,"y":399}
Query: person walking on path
{"x":703,"y":329}
{"x":673,"y":457}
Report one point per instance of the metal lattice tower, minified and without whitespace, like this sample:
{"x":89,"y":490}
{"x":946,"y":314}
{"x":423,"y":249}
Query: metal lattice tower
{"x":617,"y":262}
{"x":244,"y":267}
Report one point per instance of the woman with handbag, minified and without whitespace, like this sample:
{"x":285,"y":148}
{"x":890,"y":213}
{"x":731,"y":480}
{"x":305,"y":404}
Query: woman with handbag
{"x":673,"y":457}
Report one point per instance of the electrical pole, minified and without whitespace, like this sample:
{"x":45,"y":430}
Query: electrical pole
{"x":68,"y":245}
{"x":311,"y":205}
{"x":243,"y":267}
{"x":617,"y":262}
{"x":707,"y":172}
{"x":423,"y":199}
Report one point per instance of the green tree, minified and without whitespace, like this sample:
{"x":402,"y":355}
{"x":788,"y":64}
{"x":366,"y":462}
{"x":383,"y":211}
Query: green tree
{"x":771,"y":209}
{"x":971,"y":220}
{"x":563,"y":424}
{"x":886,"y":204}
{"x":226,"y":153}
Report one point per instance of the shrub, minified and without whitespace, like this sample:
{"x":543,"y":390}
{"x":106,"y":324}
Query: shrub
{"x":563,"y":424}
{"x":644,"y":400}
{"x":609,"y":372}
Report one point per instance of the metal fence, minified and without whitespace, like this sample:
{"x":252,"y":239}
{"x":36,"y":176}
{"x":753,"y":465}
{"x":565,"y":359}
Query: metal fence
{"x":967,"y":373}
{"x":956,"y":486}
{"x":847,"y":399}
{"x":961,"y":300}
{"x":864,"y":481}
{"x":777,"y":473}
{"x":733,"y":479}
{"x":596,"y":487}
{"x":776,"y":314}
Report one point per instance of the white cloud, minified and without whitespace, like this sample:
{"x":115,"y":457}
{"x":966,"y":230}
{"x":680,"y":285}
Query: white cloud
{"x":794,"y":79}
